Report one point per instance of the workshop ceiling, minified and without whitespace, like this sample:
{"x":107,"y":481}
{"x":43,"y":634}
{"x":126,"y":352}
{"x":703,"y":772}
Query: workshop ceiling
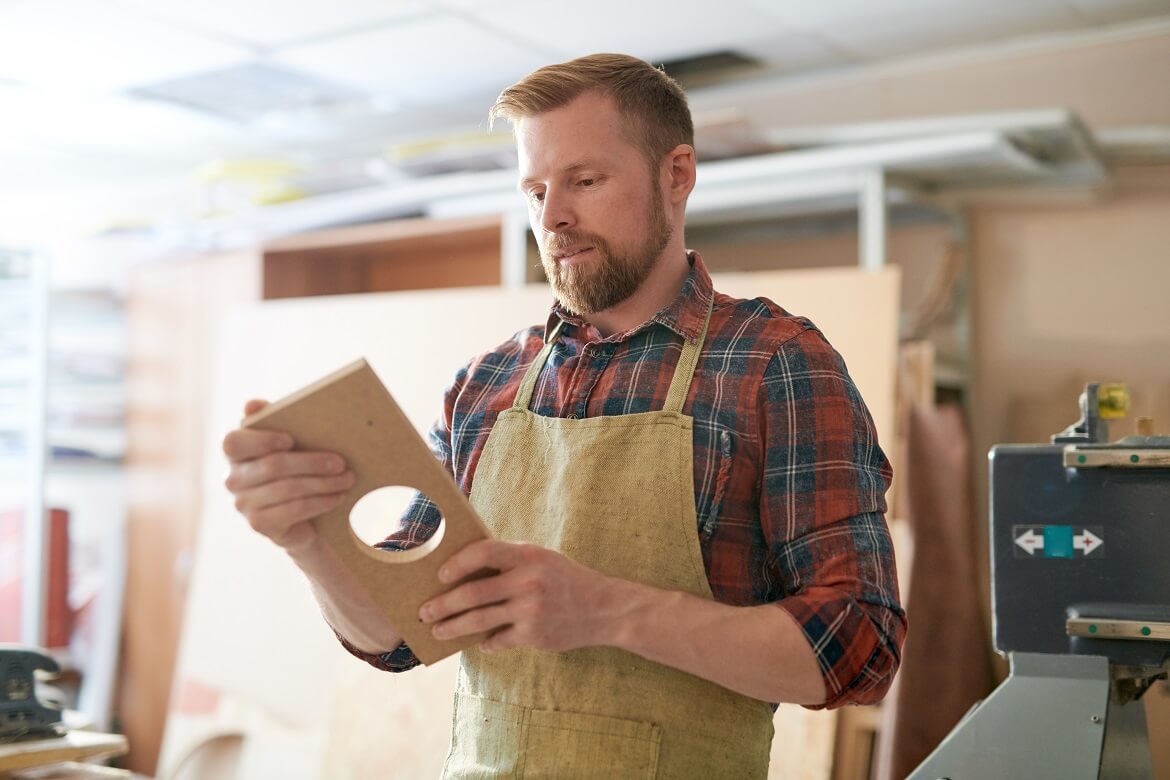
{"x":358,"y":91}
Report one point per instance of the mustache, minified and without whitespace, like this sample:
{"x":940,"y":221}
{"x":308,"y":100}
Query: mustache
{"x":568,"y":240}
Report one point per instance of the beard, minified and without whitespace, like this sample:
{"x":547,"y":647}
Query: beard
{"x":615,"y":274}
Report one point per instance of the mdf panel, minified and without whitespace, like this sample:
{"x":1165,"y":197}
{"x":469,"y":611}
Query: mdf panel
{"x":173,"y":311}
{"x":256,"y":658}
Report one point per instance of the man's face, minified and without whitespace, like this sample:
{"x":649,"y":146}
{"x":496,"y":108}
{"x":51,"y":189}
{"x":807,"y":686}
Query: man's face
{"x":596,"y":210}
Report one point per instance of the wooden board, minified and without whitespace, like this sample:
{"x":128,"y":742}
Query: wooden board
{"x":72,"y":746}
{"x":350,"y":412}
{"x":252,"y":629}
{"x":858,"y":313}
{"x":174,"y":309}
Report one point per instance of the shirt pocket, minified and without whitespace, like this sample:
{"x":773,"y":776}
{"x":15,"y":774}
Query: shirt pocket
{"x":723,"y":451}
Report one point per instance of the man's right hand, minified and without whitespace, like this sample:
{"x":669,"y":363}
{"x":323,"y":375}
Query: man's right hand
{"x":279,"y":490}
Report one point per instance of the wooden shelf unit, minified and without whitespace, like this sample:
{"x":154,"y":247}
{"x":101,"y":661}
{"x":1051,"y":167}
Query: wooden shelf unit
{"x":408,"y":254}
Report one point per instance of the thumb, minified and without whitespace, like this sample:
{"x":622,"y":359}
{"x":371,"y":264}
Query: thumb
{"x":253,"y":406}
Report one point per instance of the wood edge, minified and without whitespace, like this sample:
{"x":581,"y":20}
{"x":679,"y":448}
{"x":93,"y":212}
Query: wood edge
{"x":277,"y":406}
{"x":447,"y":648}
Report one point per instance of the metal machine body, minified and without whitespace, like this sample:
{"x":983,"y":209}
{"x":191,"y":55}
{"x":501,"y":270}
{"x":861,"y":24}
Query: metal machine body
{"x":22,"y":714}
{"x":1080,"y":570}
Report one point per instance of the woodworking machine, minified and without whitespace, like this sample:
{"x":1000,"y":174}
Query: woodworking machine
{"x":1080,"y":576}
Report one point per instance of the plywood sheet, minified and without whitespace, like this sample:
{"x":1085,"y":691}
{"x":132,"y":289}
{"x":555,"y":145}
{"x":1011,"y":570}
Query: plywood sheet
{"x":252,"y":630}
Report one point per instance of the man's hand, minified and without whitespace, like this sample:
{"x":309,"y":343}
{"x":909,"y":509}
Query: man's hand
{"x":539,"y":599}
{"x":279,"y":491}
{"x":544,"y":600}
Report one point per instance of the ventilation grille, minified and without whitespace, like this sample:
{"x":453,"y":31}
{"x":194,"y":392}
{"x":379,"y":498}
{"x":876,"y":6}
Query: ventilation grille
{"x":712,"y":68}
{"x":247,"y":92}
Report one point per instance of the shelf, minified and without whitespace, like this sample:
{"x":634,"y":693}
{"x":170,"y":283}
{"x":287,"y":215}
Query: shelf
{"x":409,"y":254}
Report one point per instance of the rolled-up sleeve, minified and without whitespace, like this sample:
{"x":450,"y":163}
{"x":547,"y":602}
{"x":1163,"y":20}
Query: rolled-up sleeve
{"x":822,"y":509}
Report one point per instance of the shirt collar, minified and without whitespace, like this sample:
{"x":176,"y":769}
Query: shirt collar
{"x":685,"y":315}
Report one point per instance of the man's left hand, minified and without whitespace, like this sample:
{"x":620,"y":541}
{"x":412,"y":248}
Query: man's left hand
{"x":539,"y":599}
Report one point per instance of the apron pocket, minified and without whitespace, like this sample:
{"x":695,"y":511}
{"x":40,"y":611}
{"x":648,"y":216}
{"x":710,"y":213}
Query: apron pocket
{"x":575,"y":745}
{"x":493,"y":739}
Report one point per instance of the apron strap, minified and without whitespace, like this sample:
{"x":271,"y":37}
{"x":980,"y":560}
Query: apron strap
{"x":684,"y":372}
{"x":524,"y":394}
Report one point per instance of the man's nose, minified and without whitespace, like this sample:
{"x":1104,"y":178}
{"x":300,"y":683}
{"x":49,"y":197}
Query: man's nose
{"x":556,"y":215}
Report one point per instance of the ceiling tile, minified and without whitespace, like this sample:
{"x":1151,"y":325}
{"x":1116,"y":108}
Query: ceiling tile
{"x":92,"y":47}
{"x":823,"y":14}
{"x":270,"y":23}
{"x":953,"y":24}
{"x":429,"y":61}
{"x":788,"y":52}
{"x":1114,"y":11}
{"x":655,"y":30}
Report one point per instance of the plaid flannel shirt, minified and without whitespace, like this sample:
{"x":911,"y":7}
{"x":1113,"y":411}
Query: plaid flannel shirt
{"x":789,"y":479}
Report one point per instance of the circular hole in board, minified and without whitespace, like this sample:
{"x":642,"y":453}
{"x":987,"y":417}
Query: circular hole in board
{"x":378,"y":514}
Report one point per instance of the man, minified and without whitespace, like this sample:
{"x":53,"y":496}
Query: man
{"x":686,"y":489}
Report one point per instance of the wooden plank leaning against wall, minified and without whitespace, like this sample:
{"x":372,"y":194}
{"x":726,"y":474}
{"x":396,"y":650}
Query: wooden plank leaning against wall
{"x":172,"y":310}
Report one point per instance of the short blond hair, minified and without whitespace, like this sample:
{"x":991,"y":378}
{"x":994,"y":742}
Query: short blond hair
{"x":654,"y":105}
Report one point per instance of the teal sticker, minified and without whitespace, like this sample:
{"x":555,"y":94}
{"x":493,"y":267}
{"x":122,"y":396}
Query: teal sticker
{"x":1058,"y":541}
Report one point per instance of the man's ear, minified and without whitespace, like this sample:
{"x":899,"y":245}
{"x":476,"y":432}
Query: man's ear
{"x":679,"y":165}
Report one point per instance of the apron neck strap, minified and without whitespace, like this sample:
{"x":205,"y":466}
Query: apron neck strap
{"x":524,"y":394}
{"x":684,"y":372}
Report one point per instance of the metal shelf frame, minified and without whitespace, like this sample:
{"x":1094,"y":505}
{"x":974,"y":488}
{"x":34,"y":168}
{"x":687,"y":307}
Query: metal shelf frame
{"x":28,"y":274}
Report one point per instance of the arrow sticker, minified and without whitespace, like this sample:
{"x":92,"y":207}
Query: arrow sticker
{"x":1087,"y":541}
{"x":1058,"y":541}
{"x":1030,"y":541}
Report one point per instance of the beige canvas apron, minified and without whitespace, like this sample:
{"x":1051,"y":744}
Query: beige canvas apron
{"x":615,"y":494}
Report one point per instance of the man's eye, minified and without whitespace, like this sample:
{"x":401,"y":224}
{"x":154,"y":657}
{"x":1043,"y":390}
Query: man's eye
{"x":586,"y":182}
{"x":536,"y":196}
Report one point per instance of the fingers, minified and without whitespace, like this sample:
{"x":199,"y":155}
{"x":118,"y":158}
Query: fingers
{"x":504,"y":639}
{"x":282,"y":465}
{"x":485,"y":554}
{"x":477,"y":621}
{"x":253,"y":406}
{"x":281,"y":508}
{"x":488,"y":603}
{"x":284,"y":491}
{"x":477,"y":593}
{"x":281,"y":522}
{"x":507,"y":604}
{"x":278,"y":490}
{"x":245,"y":444}
{"x":540,"y":599}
